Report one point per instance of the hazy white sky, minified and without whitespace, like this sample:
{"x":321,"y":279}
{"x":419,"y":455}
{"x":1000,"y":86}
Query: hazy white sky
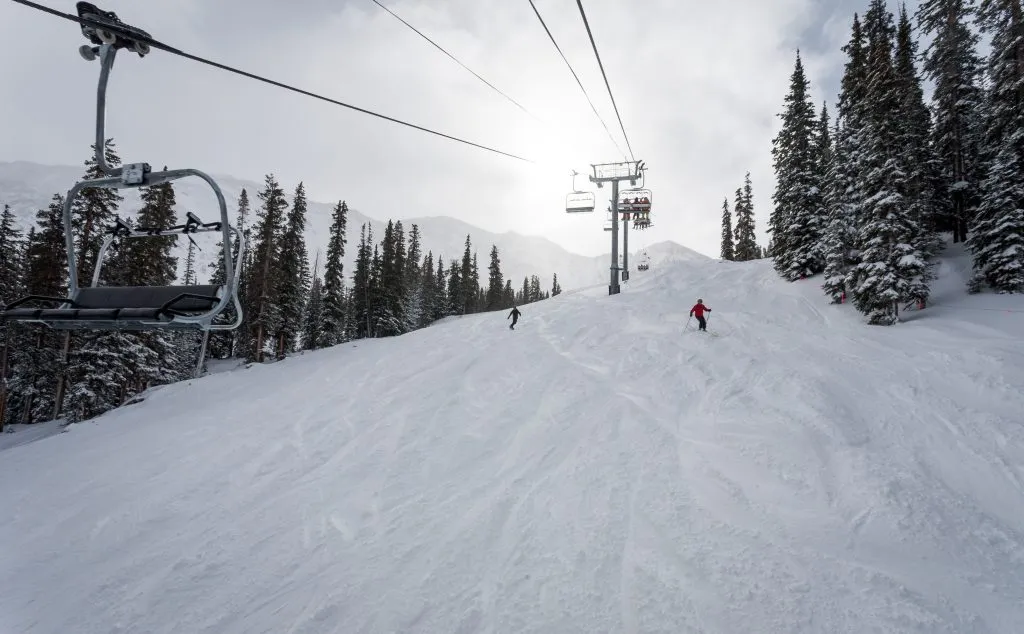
{"x":698,"y":85}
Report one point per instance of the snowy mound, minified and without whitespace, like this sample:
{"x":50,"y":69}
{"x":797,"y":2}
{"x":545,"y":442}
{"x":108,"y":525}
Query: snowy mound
{"x":599,"y":469}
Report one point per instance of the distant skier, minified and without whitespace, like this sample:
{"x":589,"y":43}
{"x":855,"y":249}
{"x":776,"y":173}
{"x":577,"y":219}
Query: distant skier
{"x":515,"y":317}
{"x":698,"y":311}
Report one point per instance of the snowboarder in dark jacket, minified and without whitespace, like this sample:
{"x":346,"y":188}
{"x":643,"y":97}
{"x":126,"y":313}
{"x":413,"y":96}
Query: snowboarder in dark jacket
{"x":515,"y":317}
{"x":698,"y":311}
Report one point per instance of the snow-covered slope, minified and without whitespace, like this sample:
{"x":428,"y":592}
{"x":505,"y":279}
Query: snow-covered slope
{"x":600,"y":469}
{"x":27,"y":187}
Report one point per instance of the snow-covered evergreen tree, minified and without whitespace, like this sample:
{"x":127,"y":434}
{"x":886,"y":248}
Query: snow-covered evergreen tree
{"x":840,"y":234}
{"x":952,"y":63}
{"x":796,"y":222}
{"x":469,"y":287}
{"x":293,"y":274}
{"x":745,"y":240}
{"x":508,"y":295}
{"x":918,"y":157}
{"x":456,"y":292}
{"x":362,"y":285}
{"x":495,"y":282}
{"x":390,"y":282}
{"x":334,"y":281}
{"x":535,"y":290}
{"x":12,"y":264}
{"x":442,"y":304}
{"x":313,"y":319}
{"x":892,"y":268}
{"x":34,"y":356}
{"x":555,"y":288}
{"x":264,"y":307}
{"x":997,"y":243}
{"x":93,"y":211}
{"x":414,"y":290}
{"x":842,"y":199}
{"x":428,"y":291}
{"x":727,"y":244}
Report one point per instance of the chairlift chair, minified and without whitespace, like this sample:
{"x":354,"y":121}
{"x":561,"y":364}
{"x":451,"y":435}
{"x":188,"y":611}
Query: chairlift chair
{"x":635,"y":200}
{"x":95,"y":307}
{"x":579,"y":202}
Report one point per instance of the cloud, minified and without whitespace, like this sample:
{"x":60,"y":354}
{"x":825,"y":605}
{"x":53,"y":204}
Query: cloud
{"x":697,"y":84}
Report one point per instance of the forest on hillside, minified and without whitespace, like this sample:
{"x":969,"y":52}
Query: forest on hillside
{"x":868,"y":201}
{"x":290,"y":301}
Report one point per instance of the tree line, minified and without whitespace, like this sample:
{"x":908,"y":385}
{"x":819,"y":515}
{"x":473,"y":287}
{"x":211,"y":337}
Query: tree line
{"x":289,"y":303}
{"x":865,"y":201}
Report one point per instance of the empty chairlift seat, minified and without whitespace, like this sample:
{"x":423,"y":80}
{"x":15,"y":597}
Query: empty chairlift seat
{"x":126,"y":306}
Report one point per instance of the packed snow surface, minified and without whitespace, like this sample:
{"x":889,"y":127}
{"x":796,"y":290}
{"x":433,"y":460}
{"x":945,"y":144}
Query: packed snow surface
{"x":599,"y":469}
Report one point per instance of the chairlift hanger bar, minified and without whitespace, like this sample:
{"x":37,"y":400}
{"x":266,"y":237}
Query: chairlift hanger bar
{"x":95,"y":307}
{"x":174,"y":51}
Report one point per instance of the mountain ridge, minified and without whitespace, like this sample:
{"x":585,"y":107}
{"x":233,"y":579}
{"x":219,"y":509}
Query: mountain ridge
{"x":29,"y":186}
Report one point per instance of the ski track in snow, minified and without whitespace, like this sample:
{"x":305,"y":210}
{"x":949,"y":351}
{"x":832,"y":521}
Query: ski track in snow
{"x":598,"y":469}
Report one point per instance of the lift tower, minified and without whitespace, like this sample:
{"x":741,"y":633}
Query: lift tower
{"x":615,"y":173}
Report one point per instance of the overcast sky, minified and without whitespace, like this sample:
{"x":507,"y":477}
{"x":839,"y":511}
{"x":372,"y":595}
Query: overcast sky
{"x":698,"y":85}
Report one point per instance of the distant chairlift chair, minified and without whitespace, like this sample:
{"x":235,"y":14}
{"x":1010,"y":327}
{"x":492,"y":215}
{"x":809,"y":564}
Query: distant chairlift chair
{"x":95,"y":307}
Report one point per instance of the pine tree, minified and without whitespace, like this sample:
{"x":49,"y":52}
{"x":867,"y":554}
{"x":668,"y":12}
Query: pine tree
{"x":555,"y":288}
{"x":11,"y":258}
{"x":414,"y":288}
{"x":362,"y":282}
{"x":508,"y":295}
{"x":840,"y":232}
{"x":334,"y":318}
{"x":442,"y":305}
{"x":745,"y":240}
{"x":842,"y":199}
{"x":428,"y":291}
{"x":34,"y":356}
{"x":313,"y":319}
{"x":264,"y":282}
{"x":998,"y":240}
{"x":917,"y":156}
{"x":12,"y":264}
{"x":467,"y":296}
{"x":535,"y":292}
{"x":495,"y":282}
{"x":796,"y":220}
{"x":952,"y":64}
{"x":390,"y":316}
{"x":727,"y":244}
{"x":293,"y":275}
{"x":892,"y":269}
{"x":150,"y":262}
{"x":456,"y":292}
{"x":93,"y":210}
{"x":376,"y":311}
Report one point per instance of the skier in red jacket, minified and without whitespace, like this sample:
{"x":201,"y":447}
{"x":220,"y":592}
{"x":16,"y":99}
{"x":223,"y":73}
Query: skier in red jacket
{"x":698,"y":310}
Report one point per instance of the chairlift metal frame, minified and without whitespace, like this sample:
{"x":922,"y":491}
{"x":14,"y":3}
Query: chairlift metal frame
{"x":95,"y":307}
{"x":579,"y":201}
